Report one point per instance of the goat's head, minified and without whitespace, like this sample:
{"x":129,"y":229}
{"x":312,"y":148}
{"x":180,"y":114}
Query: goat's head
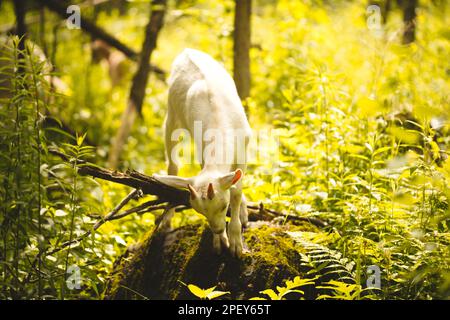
{"x":209,"y":194}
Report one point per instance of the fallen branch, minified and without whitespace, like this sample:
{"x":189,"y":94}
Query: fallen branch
{"x":143,"y":208}
{"x":136,"y":193}
{"x":131,"y":178}
{"x":262,"y":213}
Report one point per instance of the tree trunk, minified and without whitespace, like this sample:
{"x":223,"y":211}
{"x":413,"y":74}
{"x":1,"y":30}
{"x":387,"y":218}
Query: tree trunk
{"x":98,"y":33}
{"x":21,"y":28}
{"x":242,"y":31}
{"x":161,"y":265}
{"x":409,"y":20}
{"x":387,"y":9}
{"x":140,"y":79}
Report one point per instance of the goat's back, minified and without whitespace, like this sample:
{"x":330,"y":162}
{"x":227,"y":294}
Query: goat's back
{"x":201,"y":89}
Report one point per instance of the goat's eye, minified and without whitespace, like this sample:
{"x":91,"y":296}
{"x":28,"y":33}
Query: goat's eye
{"x":224,"y":207}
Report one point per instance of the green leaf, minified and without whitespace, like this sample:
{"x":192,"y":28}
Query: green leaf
{"x":80,"y":139}
{"x":196,"y":291}
{"x":119,"y":240}
{"x":216,"y":294}
{"x":61,"y":213}
{"x":272,"y":295}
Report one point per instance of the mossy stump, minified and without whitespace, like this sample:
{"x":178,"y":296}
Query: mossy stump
{"x":163,"y":263}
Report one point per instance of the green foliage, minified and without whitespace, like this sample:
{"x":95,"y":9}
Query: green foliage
{"x":209,"y":293}
{"x":23,"y":151}
{"x":44,"y":201}
{"x":292,"y":286}
{"x":319,"y":76}
{"x":342,"y":291}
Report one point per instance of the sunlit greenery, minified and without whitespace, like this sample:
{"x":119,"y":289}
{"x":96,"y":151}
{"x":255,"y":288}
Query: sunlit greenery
{"x":320,"y":76}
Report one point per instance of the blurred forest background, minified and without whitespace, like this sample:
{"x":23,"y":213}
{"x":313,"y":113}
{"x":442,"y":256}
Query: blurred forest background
{"x":359,"y":94}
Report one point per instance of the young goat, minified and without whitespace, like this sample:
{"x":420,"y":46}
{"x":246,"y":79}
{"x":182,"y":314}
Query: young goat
{"x":203,"y":96}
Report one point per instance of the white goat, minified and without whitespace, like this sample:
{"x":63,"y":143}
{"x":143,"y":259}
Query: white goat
{"x":203,"y":95}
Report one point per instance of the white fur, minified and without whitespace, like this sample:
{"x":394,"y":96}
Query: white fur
{"x":202,"y":90}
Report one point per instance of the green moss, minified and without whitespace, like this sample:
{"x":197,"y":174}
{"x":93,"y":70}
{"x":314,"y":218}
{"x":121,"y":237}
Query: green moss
{"x":163,"y":261}
{"x":179,"y":255}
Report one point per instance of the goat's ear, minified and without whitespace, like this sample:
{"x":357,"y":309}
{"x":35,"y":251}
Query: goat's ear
{"x":173,"y":181}
{"x":230,"y":179}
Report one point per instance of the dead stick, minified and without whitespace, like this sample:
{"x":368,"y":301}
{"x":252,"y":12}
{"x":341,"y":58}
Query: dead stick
{"x":132,"y":195}
{"x":144,"y":208}
{"x":274,"y":214}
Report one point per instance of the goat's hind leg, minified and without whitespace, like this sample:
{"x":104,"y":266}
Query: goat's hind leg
{"x":166,"y":222}
{"x":243,"y":212}
{"x":169,"y":126}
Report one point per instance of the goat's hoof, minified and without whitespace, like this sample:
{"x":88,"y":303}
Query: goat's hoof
{"x":236,"y":248}
{"x":244,"y":220}
{"x":220,"y":241}
{"x":224,"y":241}
{"x":217,"y":250}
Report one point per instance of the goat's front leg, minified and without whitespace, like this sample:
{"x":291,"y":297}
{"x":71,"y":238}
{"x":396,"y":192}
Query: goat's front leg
{"x":235,"y":226}
{"x":219,"y":241}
